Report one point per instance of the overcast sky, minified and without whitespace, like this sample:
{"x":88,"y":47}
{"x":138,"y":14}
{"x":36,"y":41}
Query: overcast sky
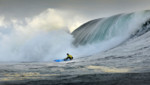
{"x":89,"y":8}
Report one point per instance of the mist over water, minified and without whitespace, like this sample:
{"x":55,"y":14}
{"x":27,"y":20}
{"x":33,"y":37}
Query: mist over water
{"x":42,"y":38}
{"x":46,"y":37}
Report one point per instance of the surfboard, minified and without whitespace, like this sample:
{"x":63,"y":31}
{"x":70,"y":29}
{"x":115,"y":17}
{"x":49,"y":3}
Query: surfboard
{"x":61,"y":60}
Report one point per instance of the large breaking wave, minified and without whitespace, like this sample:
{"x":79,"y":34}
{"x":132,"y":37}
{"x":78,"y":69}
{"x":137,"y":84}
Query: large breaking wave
{"x":92,"y":37}
{"x":119,"y":26}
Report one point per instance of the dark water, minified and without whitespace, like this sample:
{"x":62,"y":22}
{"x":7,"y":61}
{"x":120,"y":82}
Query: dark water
{"x":110,"y":70}
{"x":90,"y":79}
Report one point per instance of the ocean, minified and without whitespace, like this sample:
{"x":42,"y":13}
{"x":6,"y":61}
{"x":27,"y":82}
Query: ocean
{"x":106,"y":51}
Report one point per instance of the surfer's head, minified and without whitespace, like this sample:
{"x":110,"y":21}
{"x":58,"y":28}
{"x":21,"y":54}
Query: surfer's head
{"x":67,"y":53}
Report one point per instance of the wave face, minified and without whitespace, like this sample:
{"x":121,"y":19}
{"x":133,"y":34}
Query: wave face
{"x":119,"y":27}
{"x":43,"y":40}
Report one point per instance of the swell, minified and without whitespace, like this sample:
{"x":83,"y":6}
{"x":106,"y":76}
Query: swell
{"x":124,"y":26}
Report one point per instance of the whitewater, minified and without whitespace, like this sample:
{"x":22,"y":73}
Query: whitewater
{"x":36,"y":43}
{"x":107,"y":51}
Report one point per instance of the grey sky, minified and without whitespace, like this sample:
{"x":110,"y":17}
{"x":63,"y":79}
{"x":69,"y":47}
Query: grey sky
{"x":89,"y":8}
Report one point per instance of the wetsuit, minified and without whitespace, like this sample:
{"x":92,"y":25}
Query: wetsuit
{"x":68,"y":57}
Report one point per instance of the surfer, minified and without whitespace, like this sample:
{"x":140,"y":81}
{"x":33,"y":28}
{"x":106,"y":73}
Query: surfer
{"x":68,"y":57}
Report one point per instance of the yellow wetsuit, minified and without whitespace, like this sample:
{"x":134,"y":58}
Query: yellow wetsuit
{"x":69,"y":57}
